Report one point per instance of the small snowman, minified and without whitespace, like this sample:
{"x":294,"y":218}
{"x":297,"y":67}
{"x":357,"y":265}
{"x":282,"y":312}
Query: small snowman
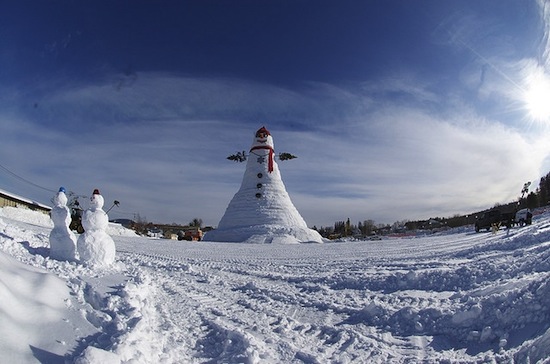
{"x":95,"y":246}
{"x":62,"y":239}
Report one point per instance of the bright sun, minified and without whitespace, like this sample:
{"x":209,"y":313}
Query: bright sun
{"x":537,"y":98}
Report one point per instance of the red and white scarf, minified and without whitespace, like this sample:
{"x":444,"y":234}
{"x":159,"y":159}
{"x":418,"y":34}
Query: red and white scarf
{"x":271,"y":155}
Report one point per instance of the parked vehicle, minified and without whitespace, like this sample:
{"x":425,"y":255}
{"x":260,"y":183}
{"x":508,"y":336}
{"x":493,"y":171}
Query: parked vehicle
{"x":494,"y":218}
{"x":498,"y":218}
{"x":190,"y":235}
{"x":524,"y":217}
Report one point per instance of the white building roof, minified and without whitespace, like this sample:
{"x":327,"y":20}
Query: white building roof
{"x":23,"y":199}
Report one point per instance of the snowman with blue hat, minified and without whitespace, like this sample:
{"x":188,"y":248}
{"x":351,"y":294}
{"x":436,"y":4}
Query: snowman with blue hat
{"x":62,"y":239}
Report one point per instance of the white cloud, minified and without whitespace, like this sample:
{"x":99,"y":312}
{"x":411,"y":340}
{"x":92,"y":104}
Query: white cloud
{"x":159,"y":146}
{"x":406,"y":163}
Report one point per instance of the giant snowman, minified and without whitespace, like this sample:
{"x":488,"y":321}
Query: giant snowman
{"x":261,"y":211}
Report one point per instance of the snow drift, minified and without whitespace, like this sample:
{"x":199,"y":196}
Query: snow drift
{"x":452,"y":297}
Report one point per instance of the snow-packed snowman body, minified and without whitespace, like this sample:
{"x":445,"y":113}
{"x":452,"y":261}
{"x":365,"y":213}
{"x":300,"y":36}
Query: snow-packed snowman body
{"x":95,"y":246}
{"x":62,"y":239}
{"x":261,"y":211}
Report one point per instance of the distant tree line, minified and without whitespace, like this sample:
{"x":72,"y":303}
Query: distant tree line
{"x":345,"y":228}
{"x":538,"y":198}
{"x":142,"y":226}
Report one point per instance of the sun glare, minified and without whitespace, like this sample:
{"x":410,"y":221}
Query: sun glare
{"x":537,"y":98}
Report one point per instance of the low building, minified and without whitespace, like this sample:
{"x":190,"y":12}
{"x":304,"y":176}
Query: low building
{"x":13,"y":200}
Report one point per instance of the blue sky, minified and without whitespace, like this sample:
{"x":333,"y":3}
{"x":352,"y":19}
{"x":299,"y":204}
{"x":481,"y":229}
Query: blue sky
{"x":396,"y":109}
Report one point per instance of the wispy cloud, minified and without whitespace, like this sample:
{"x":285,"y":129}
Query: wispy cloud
{"x":412,"y":164}
{"x":382,"y":151}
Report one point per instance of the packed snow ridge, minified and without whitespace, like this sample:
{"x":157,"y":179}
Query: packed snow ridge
{"x":453,"y":297}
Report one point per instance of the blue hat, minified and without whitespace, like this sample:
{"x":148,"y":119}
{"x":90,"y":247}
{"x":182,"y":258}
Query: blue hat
{"x":62,"y":189}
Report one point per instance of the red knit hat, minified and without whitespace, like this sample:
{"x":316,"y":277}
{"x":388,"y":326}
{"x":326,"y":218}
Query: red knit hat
{"x":262,"y":132}
{"x":96,"y":192}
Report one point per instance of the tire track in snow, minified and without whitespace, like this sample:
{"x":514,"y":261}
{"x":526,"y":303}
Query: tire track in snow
{"x":383,"y":301}
{"x":265,"y":310}
{"x":210,"y":306}
{"x":307,"y":324}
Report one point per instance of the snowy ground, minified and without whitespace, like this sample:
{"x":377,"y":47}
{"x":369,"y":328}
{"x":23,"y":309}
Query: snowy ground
{"x":457,"y":297}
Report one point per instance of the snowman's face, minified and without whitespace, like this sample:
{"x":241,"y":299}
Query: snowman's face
{"x":262,"y":141}
{"x":60,"y":199}
{"x":96,"y":201}
{"x":261,"y":137}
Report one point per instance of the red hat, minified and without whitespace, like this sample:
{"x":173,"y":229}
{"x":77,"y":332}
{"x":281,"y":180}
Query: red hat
{"x":262,"y":132}
{"x":96,"y":192}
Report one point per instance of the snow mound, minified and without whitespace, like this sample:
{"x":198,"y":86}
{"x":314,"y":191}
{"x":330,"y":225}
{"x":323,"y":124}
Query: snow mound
{"x":115,"y":229}
{"x":36,"y":311}
{"x":26,"y":215}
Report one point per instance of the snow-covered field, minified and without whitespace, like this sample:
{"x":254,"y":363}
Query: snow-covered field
{"x":456,"y":297}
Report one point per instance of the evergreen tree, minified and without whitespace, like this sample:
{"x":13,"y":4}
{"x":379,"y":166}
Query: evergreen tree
{"x":532,"y":200}
{"x":340,"y":227}
{"x":544,"y":189}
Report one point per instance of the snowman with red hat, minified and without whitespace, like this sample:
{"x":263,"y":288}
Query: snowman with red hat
{"x":95,"y":246}
{"x":62,"y":239}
